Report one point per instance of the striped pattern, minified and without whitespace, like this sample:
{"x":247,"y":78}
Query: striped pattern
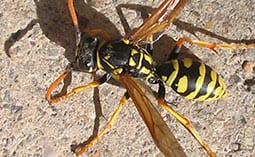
{"x":120,"y":54}
{"x":192,"y":79}
{"x":140,"y":63}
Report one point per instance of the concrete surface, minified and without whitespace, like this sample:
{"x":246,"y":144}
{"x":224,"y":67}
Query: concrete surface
{"x":40,"y":39}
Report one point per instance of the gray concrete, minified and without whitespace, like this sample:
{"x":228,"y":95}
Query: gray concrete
{"x":29,"y":126}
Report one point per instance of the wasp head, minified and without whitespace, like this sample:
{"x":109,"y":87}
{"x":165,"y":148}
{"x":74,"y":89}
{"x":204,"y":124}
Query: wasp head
{"x":86,"y":53}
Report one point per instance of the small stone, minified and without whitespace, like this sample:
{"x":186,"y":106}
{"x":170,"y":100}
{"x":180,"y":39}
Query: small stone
{"x":248,"y":66}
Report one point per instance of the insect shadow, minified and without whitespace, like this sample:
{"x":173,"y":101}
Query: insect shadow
{"x":56,"y":24}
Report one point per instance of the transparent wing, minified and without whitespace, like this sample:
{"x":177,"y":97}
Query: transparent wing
{"x":161,"y":134}
{"x":160,"y":18}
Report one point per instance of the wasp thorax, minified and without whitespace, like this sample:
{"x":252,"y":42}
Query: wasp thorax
{"x":86,"y":54}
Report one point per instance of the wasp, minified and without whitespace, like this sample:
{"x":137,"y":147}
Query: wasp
{"x":125,"y":61}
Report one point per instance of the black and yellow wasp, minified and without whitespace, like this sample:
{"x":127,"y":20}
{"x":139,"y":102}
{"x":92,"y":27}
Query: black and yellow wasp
{"x":125,"y":61}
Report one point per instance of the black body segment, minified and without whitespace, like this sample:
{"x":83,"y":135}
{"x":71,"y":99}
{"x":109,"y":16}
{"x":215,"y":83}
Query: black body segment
{"x":125,"y":57}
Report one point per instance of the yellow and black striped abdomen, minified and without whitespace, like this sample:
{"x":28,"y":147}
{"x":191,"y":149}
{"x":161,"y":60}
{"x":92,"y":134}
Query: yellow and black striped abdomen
{"x":192,"y":79}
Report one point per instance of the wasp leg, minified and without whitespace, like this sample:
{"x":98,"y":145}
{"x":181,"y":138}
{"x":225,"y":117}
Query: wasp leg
{"x":93,"y":84}
{"x":149,"y":44}
{"x":108,"y":126}
{"x":184,"y":121}
{"x":187,"y":124}
{"x":206,"y":44}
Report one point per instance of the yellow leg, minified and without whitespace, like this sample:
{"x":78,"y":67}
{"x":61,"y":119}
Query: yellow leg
{"x":74,"y":91}
{"x":212,"y":46}
{"x":93,"y":84}
{"x":187,"y":124}
{"x":55,"y":84}
{"x":107,"y":127}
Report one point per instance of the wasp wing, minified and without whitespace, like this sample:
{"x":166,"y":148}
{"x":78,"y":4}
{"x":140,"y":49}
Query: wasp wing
{"x":161,"y":134}
{"x":160,"y":18}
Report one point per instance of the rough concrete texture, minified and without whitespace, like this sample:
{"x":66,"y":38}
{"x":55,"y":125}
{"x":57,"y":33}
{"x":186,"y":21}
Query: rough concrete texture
{"x":44,"y":45}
